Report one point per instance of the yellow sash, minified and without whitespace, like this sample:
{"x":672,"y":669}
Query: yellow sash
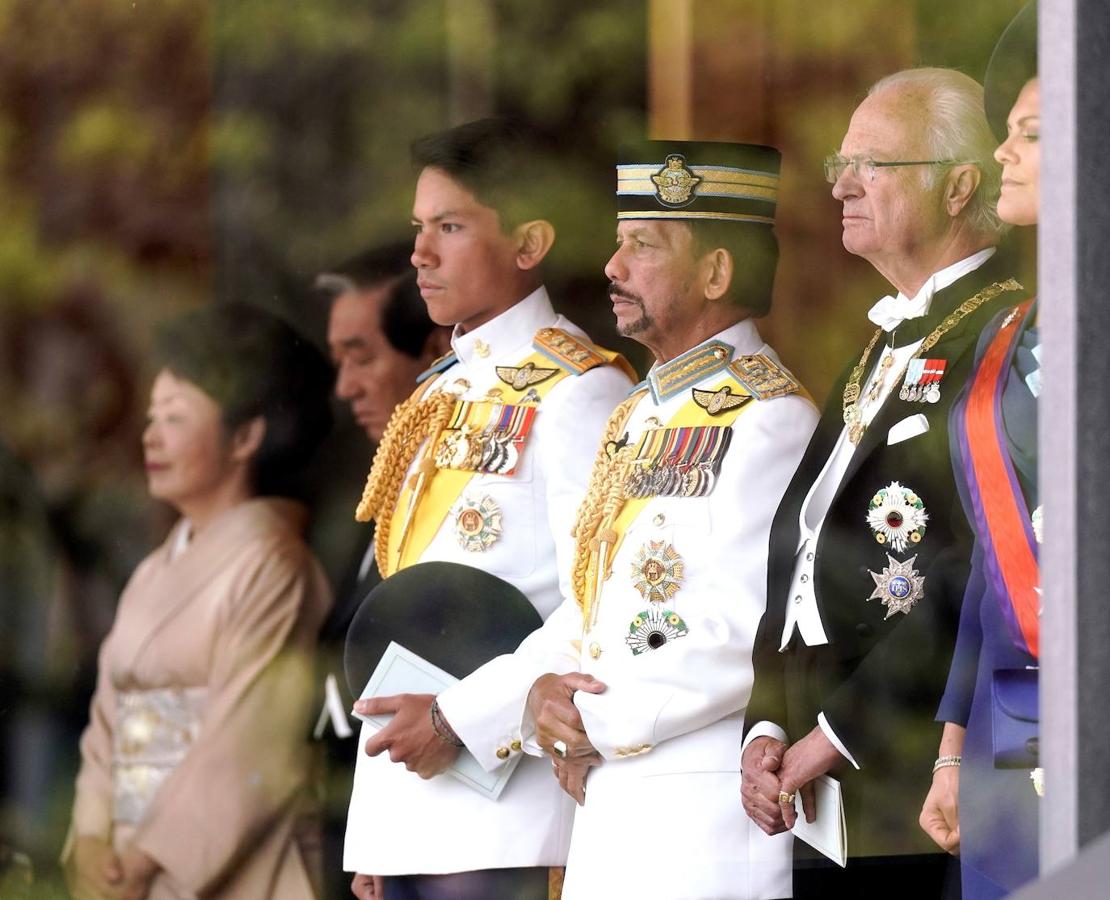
{"x":444,"y":486}
{"x":689,"y":414}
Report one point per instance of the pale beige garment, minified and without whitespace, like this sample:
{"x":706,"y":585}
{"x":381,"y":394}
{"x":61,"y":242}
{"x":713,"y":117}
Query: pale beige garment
{"x":235,"y":615}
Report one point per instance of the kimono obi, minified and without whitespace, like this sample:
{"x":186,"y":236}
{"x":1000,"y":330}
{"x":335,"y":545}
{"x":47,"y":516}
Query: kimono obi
{"x":154,"y":730}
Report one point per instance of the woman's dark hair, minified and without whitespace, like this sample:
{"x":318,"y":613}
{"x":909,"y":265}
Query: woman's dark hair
{"x":755,"y":255}
{"x":254,"y":364}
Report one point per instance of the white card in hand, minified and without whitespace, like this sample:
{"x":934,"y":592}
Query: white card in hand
{"x":827,"y":833}
{"x":401,"y":671}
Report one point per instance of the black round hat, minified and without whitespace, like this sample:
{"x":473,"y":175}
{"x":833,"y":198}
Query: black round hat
{"x":454,"y":616}
{"x":1013,"y":63}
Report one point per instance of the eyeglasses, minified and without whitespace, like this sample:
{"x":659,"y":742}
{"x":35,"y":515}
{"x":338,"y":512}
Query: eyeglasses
{"x":835,"y":164}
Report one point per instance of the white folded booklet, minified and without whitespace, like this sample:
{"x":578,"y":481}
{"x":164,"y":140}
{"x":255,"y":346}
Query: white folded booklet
{"x":401,"y":671}
{"x":827,"y":833}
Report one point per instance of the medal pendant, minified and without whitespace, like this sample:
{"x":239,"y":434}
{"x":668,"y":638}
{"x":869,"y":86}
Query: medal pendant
{"x":477,"y":524}
{"x":899,"y":587}
{"x":654,"y":628}
{"x":657,"y":571}
{"x":904,"y":393}
{"x":932,"y":395}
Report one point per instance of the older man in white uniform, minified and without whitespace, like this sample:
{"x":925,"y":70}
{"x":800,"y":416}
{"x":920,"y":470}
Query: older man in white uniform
{"x":640,"y":679}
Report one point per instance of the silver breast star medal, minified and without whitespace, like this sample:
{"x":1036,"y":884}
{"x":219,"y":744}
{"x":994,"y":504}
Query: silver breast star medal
{"x":657,"y":571}
{"x":897,"y":517}
{"x":653,"y":628}
{"x":899,"y":587}
{"x":477,"y":524}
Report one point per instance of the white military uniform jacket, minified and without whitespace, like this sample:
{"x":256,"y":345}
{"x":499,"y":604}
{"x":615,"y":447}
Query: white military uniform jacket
{"x":663,"y":816}
{"x":398,"y":823}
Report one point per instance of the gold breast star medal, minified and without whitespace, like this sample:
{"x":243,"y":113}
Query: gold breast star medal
{"x":674,"y":183}
{"x":653,"y":628}
{"x":477,"y":523}
{"x":720,"y":401}
{"x":899,"y":587}
{"x":897,"y":517}
{"x":657,"y":571}
{"x":520,"y":378}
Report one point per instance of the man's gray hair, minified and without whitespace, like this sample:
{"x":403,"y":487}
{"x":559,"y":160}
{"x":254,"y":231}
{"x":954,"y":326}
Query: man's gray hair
{"x":957,"y":129}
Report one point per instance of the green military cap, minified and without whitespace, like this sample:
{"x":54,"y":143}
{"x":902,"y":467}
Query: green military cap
{"x":700,"y":180}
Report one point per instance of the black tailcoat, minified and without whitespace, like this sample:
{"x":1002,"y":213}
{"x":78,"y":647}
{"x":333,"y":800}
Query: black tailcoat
{"x":878,"y":680}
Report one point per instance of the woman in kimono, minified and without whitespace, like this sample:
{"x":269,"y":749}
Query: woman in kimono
{"x":193,"y":766}
{"x":984,"y":799}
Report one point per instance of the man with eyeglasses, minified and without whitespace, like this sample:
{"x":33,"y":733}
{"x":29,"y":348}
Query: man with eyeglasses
{"x":869,"y":551}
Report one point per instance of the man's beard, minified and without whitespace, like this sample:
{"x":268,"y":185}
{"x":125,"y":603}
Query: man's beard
{"x":636,"y":326}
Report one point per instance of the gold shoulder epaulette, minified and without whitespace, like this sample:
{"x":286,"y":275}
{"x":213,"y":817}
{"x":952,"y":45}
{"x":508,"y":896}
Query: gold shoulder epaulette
{"x":762,"y":377}
{"x":570,"y":352}
{"x":575,"y":355}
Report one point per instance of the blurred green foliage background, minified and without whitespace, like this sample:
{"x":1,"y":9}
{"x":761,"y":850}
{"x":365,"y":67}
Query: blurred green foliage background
{"x":159,"y":155}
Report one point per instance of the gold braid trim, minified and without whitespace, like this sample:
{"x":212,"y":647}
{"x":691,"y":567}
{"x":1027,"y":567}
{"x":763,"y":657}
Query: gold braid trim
{"x":604,"y":495}
{"x":414,"y":421}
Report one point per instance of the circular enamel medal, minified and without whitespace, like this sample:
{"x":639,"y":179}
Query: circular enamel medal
{"x":897,"y":517}
{"x":653,"y":628}
{"x":657,"y":571}
{"x":477,"y":524}
{"x":899,"y":587}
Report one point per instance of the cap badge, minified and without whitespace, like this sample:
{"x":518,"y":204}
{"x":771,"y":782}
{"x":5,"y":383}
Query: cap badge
{"x":674,"y":183}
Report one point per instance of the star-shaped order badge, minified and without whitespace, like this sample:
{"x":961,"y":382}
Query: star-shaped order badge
{"x":657,"y":571}
{"x":897,"y":517}
{"x":899,"y":587}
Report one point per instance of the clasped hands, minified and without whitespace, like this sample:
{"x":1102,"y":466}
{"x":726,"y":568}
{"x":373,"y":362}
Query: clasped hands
{"x":770,"y":769}
{"x":560,"y":731}
{"x":409,"y":736}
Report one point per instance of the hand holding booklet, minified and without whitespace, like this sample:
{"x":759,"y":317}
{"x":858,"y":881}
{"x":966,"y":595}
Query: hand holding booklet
{"x":827,"y":833}
{"x":401,"y":671}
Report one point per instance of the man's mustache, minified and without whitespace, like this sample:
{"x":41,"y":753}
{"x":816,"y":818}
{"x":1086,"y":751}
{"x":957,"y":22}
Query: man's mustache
{"x":616,"y":292}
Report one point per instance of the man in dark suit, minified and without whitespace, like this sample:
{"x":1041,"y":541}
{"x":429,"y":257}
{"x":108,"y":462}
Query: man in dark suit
{"x":380,"y":338}
{"x":869,"y":548}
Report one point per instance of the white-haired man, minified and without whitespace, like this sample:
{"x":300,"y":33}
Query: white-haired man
{"x":869,"y":552}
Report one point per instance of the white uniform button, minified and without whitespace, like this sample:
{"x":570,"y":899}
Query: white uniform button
{"x":659,"y":519}
{"x":595,"y":650}
{"x":809,"y":557}
{"x":798,"y":599}
{"x":804,"y":578}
